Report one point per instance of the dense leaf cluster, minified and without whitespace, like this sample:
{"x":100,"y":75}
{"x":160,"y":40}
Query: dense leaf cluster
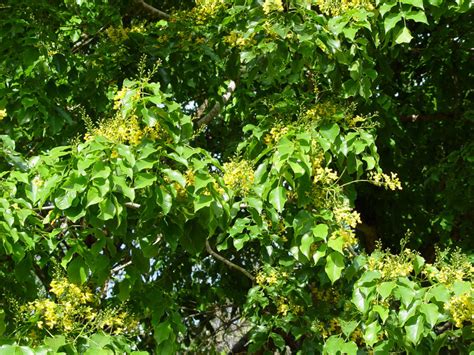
{"x":213,"y":176}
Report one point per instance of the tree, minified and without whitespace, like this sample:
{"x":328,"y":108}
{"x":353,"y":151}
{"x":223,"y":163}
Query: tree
{"x":210,"y":176}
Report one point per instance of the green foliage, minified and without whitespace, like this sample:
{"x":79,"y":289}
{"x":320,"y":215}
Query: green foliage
{"x":230,"y":193}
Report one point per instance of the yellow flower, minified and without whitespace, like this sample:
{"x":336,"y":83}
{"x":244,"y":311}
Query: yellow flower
{"x":391,"y":182}
{"x":461,"y":308}
{"x":238,"y":175}
{"x":3,"y":114}
{"x":272,"y":5}
{"x":37,"y":181}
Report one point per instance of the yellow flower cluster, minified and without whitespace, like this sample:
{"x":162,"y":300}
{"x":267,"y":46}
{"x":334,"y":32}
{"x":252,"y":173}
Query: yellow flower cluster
{"x":121,"y":129}
{"x":272,"y":5}
{"x":284,"y":306}
{"x":189,"y":177}
{"x":117,"y":34}
{"x":337,"y":7}
{"x":461,"y":308}
{"x":357,"y":336}
{"x":329,"y":295}
{"x":264,"y":279}
{"x":275,"y":134}
{"x":66,"y":312}
{"x":392,"y":266}
{"x":347,"y":216}
{"x":347,"y":235}
{"x":71,"y":310}
{"x":116,"y":322}
{"x":446,"y":274}
{"x":3,"y":114}
{"x":270,"y":278}
{"x":353,"y":121}
{"x":239,"y":175}
{"x":320,"y":327}
{"x":206,"y":9}
{"x":234,"y":39}
{"x":323,"y":175}
{"x":67,"y":291}
{"x":328,"y":328}
{"x":37,"y":181}
{"x":458,"y":269}
{"x":391,"y":182}
{"x":322,"y":110}
{"x":120,"y":95}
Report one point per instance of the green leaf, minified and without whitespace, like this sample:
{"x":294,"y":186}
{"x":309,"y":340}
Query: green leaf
{"x":107,"y":209}
{"x":143,"y":180}
{"x":391,"y":21}
{"x":330,"y":131}
{"x":320,"y":232}
{"x":202,"y":201}
{"x":385,"y":289}
{"x":418,"y":16}
{"x":277,"y":340}
{"x":100,"y":170}
{"x":306,"y":242}
{"x":277,"y":198}
{"x":333,"y":345}
{"x":403,"y":36}
{"x":348,"y":327}
{"x":416,"y":3}
{"x":120,"y":185}
{"x":382,"y":312}
{"x":349,"y":348}
{"x":334,"y":266}
{"x":65,"y":201}
{"x":319,"y":253}
{"x":371,"y":333}
{"x":386,"y":7}
{"x":360,"y":300}
{"x":440,"y":293}
{"x":77,"y":271}
{"x":414,"y":329}
{"x":418,"y":264}
{"x":93,"y":196}
{"x":55,"y":342}
{"x":430,"y":311}
{"x":15,"y":350}
{"x":297,"y":166}
{"x":202,"y":180}
{"x":164,"y":199}
{"x":162,"y":332}
{"x":336,"y":244}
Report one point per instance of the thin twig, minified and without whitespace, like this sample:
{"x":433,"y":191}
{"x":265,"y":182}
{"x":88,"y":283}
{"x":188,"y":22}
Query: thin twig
{"x":120,"y":267}
{"x":227,"y":262}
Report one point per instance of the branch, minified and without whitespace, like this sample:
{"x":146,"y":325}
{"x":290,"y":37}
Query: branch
{"x":120,"y":267}
{"x":227,"y":262}
{"x":132,"y":205}
{"x":201,"y":109}
{"x":217,"y":107}
{"x":152,"y":10}
{"x":86,"y":40}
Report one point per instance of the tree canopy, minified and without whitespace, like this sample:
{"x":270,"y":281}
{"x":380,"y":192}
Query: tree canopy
{"x":236,"y":176}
